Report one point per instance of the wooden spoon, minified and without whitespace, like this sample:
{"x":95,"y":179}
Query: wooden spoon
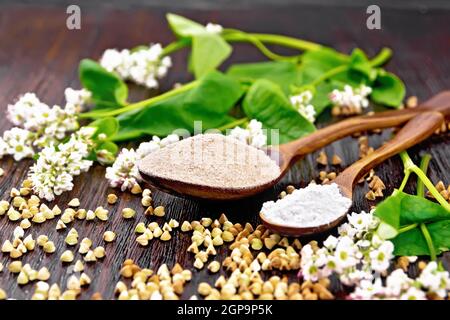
{"x":286,"y":154}
{"x":415,"y":131}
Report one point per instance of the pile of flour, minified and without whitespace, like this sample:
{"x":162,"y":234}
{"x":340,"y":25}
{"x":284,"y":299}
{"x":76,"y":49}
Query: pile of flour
{"x":312,"y":206}
{"x":211,"y":160}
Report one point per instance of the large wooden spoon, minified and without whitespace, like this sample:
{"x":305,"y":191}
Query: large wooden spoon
{"x":416,"y":130}
{"x":286,"y":154}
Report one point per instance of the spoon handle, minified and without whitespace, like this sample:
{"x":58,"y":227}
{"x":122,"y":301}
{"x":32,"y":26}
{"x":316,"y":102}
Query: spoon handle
{"x":387,"y":119}
{"x":415,"y":131}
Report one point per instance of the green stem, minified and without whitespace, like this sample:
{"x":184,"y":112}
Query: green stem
{"x":405,"y":180}
{"x":285,"y":41}
{"x":329,"y":74}
{"x":233,"y":35}
{"x":233,"y":124}
{"x":408,"y":227}
{"x":381,"y":58}
{"x":175,"y":46}
{"x":239,"y":36}
{"x":138,"y":105}
{"x":424,"y":162}
{"x":429,"y":241}
{"x":429,"y":185}
{"x":258,"y":40}
{"x":410,"y":166}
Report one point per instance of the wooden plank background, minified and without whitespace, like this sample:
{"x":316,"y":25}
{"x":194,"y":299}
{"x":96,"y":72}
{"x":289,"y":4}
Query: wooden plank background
{"x":38,"y":54}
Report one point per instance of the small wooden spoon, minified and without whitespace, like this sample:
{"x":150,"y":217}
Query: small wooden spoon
{"x":415,"y":131}
{"x":286,"y":154}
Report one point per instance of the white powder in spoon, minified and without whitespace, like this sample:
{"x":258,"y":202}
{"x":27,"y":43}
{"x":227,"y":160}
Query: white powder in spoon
{"x":312,"y":206}
{"x":211,"y":160}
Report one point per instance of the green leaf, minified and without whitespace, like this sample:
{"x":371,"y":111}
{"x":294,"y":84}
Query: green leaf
{"x":388,"y":89}
{"x":410,"y":243}
{"x":327,"y":58}
{"x":183,"y":27}
{"x":266,"y":102}
{"x":360,"y":63}
{"x":109,"y":146}
{"x":321,"y":99}
{"x":209,"y":102}
{"x":108,"y":126}
{"x":415,"y":209}
{"x":212,"y":99}
{"x":389,"y":210}
{"x":402,"y":209}
{"x":440,"y":234}
{"x":283,"y":73}
{"x":316,"y":62}
{"x":108,"y":90}
{"x":208,"y":52}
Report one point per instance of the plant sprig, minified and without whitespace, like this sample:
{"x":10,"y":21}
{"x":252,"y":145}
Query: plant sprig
{"x":417,"y":226}
{"x":315,"y":67}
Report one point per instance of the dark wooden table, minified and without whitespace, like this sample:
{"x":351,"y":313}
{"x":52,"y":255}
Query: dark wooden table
{"x":38,"y":54}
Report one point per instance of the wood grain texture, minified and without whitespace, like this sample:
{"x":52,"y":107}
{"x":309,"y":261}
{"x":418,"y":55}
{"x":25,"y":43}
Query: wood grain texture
{"x":38,"y":54}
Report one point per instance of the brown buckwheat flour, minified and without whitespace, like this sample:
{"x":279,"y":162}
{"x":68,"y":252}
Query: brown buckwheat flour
{"x":212,"y":160}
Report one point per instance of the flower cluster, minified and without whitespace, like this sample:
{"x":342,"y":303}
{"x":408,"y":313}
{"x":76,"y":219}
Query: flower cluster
{"x":352,"y":98}
{"x":253,"y":134}
{"x":18,"y":143}
{"x":53,"y":172}
{"x":214,"y":28}
{"x":356,"y":254}
{"x":144,"y":66}
{"x":432,"y":282}
{"x":38,"y":125}
{"x":124,"y":172}
{"x":301,"y":102}
{"x":77,"y":99}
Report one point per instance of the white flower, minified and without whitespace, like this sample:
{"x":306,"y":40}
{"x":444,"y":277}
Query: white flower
{"x":360,"y":221}
{"x":28,"y":112}
{"x":124,"y":172}
{"x":345,"y":254}
{"x":143,"y":66}
{"x":381,"y":257}
{"x":434,"y":280}
{"x":354,"y":276}
{"x":18,"y":143}
{"x":77,"y":98}
{"x":331,"y":242}
{"x":47,"y":124}
{"x":351,"y":97}
{"x":301,"y":102}
{"x":397,"y":282}
{"x":356,"y":254}
{"x":61,"y":121}
{"x":253,"y":134}
{"x":214,"y":28}
{"x":367,"y":290}
{"x":115,"y":61}
{"x":413,"y":294}
{"x":145,"y":148}
{"x":310,"y":271}
{"x":53,"y":172}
